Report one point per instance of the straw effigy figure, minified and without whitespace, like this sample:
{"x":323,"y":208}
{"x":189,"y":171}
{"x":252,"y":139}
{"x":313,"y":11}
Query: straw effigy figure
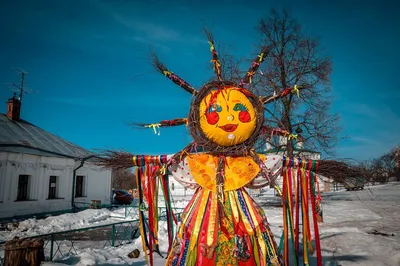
{"x":222,"y":224}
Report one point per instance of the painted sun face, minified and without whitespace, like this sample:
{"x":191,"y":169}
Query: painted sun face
{"x":227,"y":117}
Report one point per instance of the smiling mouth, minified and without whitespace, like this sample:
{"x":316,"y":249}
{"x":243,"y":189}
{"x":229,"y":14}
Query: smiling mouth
{"x":229,"y":127}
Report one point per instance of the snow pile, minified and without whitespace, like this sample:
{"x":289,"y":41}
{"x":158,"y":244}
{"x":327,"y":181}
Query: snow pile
{"x":107,"y":256}
{"x":116,"y":255}
{"x":64,"y":222}
{"x":361,"y":227}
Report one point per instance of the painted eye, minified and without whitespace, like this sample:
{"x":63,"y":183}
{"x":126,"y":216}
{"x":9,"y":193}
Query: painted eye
{"x":215,"y":108}
{"x":239,"y":107}
{"x":244,"y":115}
{"x":212,"y":114}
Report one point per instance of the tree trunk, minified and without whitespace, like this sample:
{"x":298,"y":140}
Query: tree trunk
{"x":288,"y":126}
{"x":24,"y":252}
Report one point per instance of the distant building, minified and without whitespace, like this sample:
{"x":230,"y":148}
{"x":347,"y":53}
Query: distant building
{"x":41,"y":172}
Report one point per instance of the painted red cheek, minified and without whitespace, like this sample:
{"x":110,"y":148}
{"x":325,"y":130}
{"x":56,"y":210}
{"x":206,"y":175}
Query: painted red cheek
{"x":212,"y":118}
{"x":244,"y":117}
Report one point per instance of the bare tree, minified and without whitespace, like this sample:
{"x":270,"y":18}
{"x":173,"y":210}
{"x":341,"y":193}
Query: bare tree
{"x":293,"y":59}
{"x":382,"y":168}
{"x":123,"y":179}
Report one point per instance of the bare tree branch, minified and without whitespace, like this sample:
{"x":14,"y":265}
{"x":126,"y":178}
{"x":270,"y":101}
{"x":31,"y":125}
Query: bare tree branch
{"x":294,"y":58}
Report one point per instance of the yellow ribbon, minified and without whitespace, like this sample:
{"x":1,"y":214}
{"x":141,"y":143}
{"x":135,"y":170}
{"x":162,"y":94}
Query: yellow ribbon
{"x":296,"y":90}
{"x":250,"y":75}
{"x":184,"y":152}
{"x":278,"y":190}
{"x":289,"y":135}
{"x":199,"y":219}
{"x":154,"y":126}
{"x":216,"y":65}
{"x":166,"y":72}
{"x":163,"y":170}
{"x":211,"y":46}
{"x":260,"y":56}
{"x":212,"y":219}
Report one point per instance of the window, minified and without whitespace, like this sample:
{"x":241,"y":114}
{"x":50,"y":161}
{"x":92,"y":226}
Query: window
{"x":80,"y":186}
{"x":23,"y":187}
{"x":53,"y":187}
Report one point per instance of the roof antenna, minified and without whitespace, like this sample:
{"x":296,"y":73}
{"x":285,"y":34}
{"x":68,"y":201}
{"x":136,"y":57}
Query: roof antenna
{"x":21,"y":86}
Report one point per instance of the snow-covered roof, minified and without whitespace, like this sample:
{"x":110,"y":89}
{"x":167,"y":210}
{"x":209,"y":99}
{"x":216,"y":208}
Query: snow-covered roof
{"x":24,"y":137}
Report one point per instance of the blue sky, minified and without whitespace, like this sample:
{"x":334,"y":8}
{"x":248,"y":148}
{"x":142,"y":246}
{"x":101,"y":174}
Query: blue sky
{"x":88,"y":64}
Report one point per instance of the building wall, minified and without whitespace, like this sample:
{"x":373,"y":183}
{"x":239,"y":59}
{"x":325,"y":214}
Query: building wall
{"x":40,"y":168}
{"x":98,"y":185}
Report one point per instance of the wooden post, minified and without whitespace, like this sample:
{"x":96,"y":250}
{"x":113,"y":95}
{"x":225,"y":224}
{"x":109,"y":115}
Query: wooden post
{"x":23,"y":252}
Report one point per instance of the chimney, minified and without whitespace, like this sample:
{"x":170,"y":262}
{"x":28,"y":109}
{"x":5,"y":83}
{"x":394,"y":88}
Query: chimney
{"x":14,"y":108}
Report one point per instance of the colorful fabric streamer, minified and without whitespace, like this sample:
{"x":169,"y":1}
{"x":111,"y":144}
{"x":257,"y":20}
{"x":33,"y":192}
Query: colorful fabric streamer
{"x":150,"y":174}
{"x":300,"y":192}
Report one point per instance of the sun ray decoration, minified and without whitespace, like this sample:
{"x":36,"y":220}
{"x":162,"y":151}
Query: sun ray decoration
{"x":215,"y":60}
{"x":222,"y":224}
{"x":172,"y":76}
{"x":248,"y":78}
{"x":163,"y":123}
{"x":296,"y":89}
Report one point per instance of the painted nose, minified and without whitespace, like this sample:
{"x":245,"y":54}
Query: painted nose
{"x":230,"y":118}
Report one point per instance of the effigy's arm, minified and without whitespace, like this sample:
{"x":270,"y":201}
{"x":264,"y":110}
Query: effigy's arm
{"x":178,"y":168}
{"x":270,"y":169}
{"x":181,"y":173}
{"x":301,"y":202}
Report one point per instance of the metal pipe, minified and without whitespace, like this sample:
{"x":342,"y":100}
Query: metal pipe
{"x":74,"y":178}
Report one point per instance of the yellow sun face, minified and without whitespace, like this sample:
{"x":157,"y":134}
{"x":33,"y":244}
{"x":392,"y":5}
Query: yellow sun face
{"x":227,"y":117}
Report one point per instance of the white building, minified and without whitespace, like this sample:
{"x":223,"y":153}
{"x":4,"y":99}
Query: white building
{"x":299,"y":152}
{"x":43,"y":173}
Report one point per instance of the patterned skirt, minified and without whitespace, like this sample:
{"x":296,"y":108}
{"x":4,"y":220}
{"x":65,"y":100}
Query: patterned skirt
{"x":238,"y":235}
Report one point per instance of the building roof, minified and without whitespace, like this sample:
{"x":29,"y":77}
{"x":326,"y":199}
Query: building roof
{"x":24,"y":137}
{"x":295,"y":149}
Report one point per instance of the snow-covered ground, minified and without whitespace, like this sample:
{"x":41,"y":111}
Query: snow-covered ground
{"x":360,"y":228}
{"x":68,"y":221}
